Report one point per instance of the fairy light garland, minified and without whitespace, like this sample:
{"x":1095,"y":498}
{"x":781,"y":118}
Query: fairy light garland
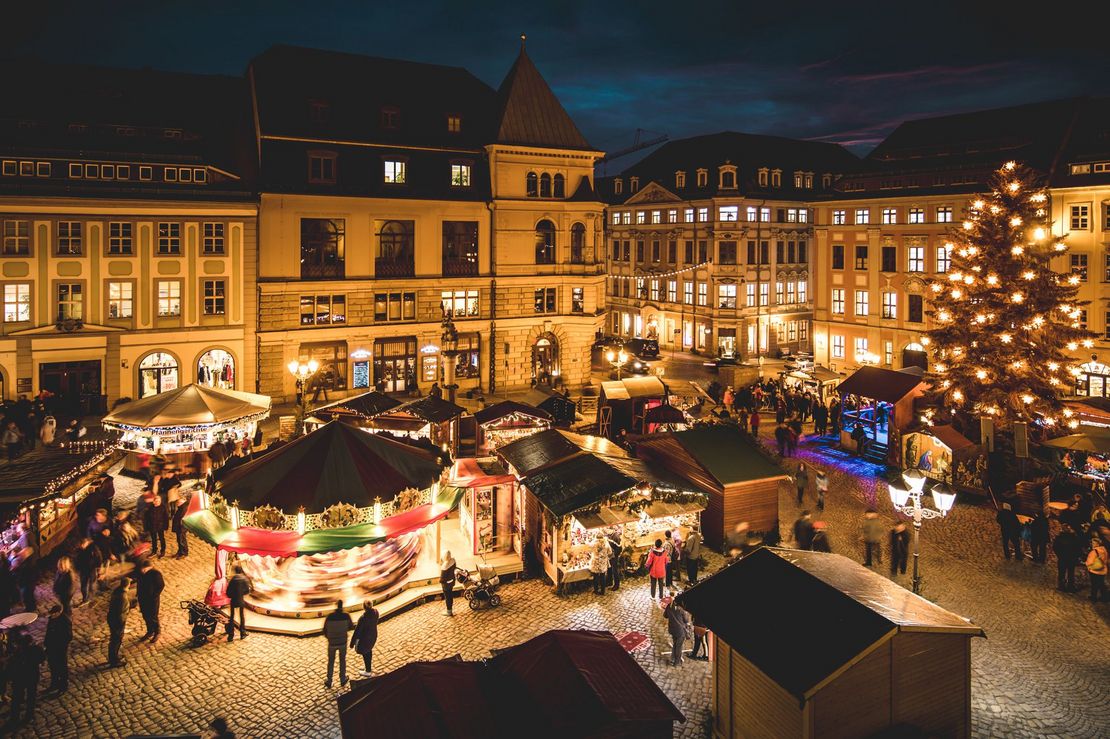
{"x":657,"y":275}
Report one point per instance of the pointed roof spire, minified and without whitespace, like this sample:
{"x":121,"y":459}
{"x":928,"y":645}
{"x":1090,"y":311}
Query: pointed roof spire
{"x":530,"y":114}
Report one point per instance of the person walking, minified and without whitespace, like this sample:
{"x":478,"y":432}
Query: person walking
{"x":822,"y":483}
{"x":1010,"y":531}
{"x":238,"y":588}
{"x":156,"y":520}
{"x":119,"y":606}
{"x":366,"y":636}
{"x":753,"y":419}
{"x":169,"y":488}
{"x":59,"y":634}
{"x":24,"y":667}
{"x":899,"y":548}
{"x":1097,"y":569}
{"x":149,"y":592}
{"x":820,"y":419}
{"x":447,"y":581}
{"x":678,"y":624}
{"x":615,"y":561}
{"x":859,"y":436}
{"x":782,"y":438}
{"x":668,"y":546}
{"x":699,"y":651}
{"x":1066,"y":548}
{"x":599,"y":564}
{"x":803,"y":531}
{"x":657,"y":567}
{"x":820,"y":541}
{"x":87,"y":561}
{"x":872,"y":531}
{"x":177,"y":525}
{"x":336,"y":626}
{"x":1038,"y":538}
{"x":801,"y":480}
{"x":13,"y":440}
{"x":691,"y":555}
{"x":64,"y":584}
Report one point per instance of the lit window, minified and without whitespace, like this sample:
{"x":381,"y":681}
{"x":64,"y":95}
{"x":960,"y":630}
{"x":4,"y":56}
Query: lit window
{"x":861,"y":346}
{"x":890,"y":215}
{"x":915,"y":260}
{"x":169,"y":298}
{"x":703,"y":215}
{"x":703,"y":294}
{"x":460,"y":175}
{"x":323,"y":310}
{"x":765,"y":215}
{"x":729,"y":213}
{"x":802,"y":288}
{"x":545,"y":300}
{"x":626,"y":218}
{"x":17,"y":302}
{"x":120,"y":299}
{"x":688,"y":293}
{"x":862,"y":300}
{"x":214,"y":301}
{"x":616,"y":218}
{"x":838,"y":347}
{"x":656,"y":216}
{"x":890,"y":305}
{"x":944,"y":214}
{"x":838,"y":301}
{"x":752,"y":213}
{"x":944,"y":259}
{"x":863,"y":216}
{"x":749,"y":299}
{"x":688,"y":215}
{"x":726,"y":296}
{"x":916,"y":215}
{"x":71,"y":301}
{"x":641,"y":217}
{"x":577,"y":300}
{"x":395,"y":171}
{"x":672,"y":216}
{"x":459,"y":303}
{"x":1079,"y":266}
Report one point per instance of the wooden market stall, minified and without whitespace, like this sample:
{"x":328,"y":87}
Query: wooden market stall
{"x":429,"y":418}
{"x":819,"y":380}
{"x":508,"y":421}
{"x":602,"y":693}
{"x":489,"y":510}
{"x":357,"y":410}
{"x":944,"y":454}
{"x":577,"y":488}
{"x":741,"y":481}
{"x":875,"y":658}
{"x":622,"y":404}
{"x":182,"y":424}
{"x":562,"y":409}
{"x":883,"y":407}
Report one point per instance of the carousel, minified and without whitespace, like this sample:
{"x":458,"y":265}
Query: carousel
{"x":181,"y":425}
{"x":338,"y":514}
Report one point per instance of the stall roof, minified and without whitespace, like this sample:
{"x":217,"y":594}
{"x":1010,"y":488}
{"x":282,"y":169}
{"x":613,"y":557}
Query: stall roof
{"x":191,"y":405}
{"x":878,"y":383}
{"x":576,"y":482}
{"x":431,"y":408}
{"x":507,"y":408}
{"x":25,"y":479}
{"x":856,"y":609}
{"x":477,"y":473}
{"x":1093,"y":440}
{"x":366,"y":405}
{"x":633,"y":387}
{"x":720,"y":450}
{"x":683,"y":388}
{"x":950,"y":437}
{"x":536,"y":451}
{"x":665,"y":414}
{"x":335,"y":464}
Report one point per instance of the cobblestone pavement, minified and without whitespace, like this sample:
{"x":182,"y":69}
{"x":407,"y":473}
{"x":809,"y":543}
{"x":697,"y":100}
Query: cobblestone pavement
{"x":1041,"y":671}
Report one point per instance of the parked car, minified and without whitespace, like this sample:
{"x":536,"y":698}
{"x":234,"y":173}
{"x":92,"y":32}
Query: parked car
{"x":647,"y":348}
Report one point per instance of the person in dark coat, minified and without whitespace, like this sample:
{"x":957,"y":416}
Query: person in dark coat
{"x":24,"y":668}
{"x":899,"y":548}
{"x":100,"y":531}
{"x":59,"y":634}
{"x":156,"y":519}
{"x":614,"y":579}
{"x":680,"y":629}
{"x":1038,"y":538}
{"x":27,"y":575}
{"x":1010,"y":531}
{"x":238,"y":588}
{"x":336,"y":626}
{"x":64,"y":584}
{"x":149,"y":592}
{"x":366,"y":636}
{"x":178,"y":528}
{"x":820,"y":419}
{"x":1066,"y":547}
{"x":87,"y":561}
{"x":803,"y":531}
{"x":447,"y":580}
{"x":820,"y":541}
{"x":119,"y":606}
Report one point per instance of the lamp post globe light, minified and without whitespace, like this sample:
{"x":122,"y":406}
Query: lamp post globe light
{"x":449,"y":348}
{"x":618,"y":359}
{"x":908,"y":501}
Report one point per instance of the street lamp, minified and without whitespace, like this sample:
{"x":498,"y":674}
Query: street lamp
{"x":449,"y":348}
{"x":618,"y":359}
{"x":301,"y":371}
{"x":908,"y":502}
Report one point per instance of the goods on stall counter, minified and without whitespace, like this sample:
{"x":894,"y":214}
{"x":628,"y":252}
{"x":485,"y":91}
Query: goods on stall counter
{"x":576,"y":561}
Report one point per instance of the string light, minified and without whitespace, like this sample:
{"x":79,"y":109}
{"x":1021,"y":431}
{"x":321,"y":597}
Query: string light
{"x":1017,"y":251}
{"x":957,"y":395}
{"x":1009,"y":166}
{"x":1015,"y":221}
{"x":1038,"y":233}
{"x":1038,"y":197}
{"x":968,"y":225}
{"x":657,"y":275}
{"x":980,"y":374}
{"x":1017,"y":297}
{"x":936,"y":287}
{"x":1005,"y":338}
{"x":992,"y":279}
{"x":978,"y":205}
{"x":1072,"y":346}
{"x":1087,"y":343}
{"x":1027,"y":399}
{"x":1028,"y":275}
{"x":1060,"y":246}
{"x":1015,"y":186}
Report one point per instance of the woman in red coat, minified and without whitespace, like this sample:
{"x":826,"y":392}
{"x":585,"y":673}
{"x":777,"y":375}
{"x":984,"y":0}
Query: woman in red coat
{"x":657,"y":566}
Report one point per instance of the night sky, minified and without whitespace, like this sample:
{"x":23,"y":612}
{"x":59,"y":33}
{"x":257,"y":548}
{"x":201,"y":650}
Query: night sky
{"x":845,"y":72}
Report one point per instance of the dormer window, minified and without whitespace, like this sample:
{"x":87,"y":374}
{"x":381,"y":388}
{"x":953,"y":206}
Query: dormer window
{"x":703,"y":177}
{"x":798,"y":179}
{"x":618,"y":186}
{"x":776,"y":178}
{"x":634,"y":183}
{"x":763,"y":177}
{"x":809,"y":180}
{"x":454,"y":123}
{"x":318,"y":111}
{"x":826,"y":181}
{"x":728,"y":177}
{"x":391,"y":117}
{"x":680,"y":179}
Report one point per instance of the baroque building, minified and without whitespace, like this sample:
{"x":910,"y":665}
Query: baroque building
{"x":393,"y":192}
{"x":127,"y":220}
{"x":710,"y":243}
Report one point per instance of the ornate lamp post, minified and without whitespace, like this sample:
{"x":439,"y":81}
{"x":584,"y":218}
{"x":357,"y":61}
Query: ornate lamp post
{"x":301,"y":371}
{"x":449,"y":348}
{"x":618,"y":360}
{"x":908,"y":501}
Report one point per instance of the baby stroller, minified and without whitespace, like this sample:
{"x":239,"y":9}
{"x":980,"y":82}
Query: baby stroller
{"x":480,"y":591}
{"x":204,"y":619}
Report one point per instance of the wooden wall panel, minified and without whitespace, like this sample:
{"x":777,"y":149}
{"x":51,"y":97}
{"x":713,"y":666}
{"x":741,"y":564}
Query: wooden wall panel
{"x":760,"y":708}
{"x":857,"y":703}
{"x":932,"y":682}
{"x":756,"y":502}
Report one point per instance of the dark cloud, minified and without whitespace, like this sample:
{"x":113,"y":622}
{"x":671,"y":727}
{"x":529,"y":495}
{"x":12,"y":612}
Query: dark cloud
{"x":836,"y":72}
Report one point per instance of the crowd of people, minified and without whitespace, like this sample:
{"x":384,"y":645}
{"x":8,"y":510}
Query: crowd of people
{"x":45,"y":421}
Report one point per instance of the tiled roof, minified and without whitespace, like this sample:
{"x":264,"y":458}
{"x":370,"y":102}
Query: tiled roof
{"x":530,"y":114}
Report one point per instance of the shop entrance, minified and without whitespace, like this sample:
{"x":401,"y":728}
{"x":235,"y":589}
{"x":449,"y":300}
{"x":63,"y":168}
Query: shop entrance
{"x":914,"y":356}
{"x":76,"y":383}
{"x":395,"y":364}
{"x":545,"y":359}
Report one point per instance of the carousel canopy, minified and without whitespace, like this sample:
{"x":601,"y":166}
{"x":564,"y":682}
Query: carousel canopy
{"x":191,"y":405}
{"x":366,"y":405}
{"x":505,"y":408}
{"x":878,"y":383}
{"x":335,"y":464}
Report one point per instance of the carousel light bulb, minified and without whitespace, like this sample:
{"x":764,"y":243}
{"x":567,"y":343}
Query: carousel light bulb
{"x":1017,"y":251}
{"x":300,"y":521}
{"x":1087,"y":343}
{"x":235,"y":516}
{"x":1038,"y":233}
{"x":1029,"y":275}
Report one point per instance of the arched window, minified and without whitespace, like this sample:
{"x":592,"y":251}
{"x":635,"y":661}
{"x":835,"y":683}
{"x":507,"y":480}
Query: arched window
{"x":545,"y":185}
{"x":577,"y":243}
{"x":533,"y":185}
{"x":216,"y":368}
{"x":545,"y":242}
{"x":395,"y":250}
{"x":157,"y":374}
{"x":560,"y":187}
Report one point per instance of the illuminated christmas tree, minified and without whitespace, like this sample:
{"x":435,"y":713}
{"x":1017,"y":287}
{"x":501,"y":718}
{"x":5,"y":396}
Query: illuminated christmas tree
{"x":1006,"y":326}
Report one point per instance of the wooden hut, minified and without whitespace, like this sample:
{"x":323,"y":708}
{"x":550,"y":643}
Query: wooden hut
{"x":561,"y":408}
{"x":842,"y":652}
{"x":429,"y":418}
{"x":944,"y":454}
{"x":741,"y":482}
{"x":508,"y":421}
{"x":357,"y":410}
{"x":622,"y":404}
{"x":881,"y":392}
